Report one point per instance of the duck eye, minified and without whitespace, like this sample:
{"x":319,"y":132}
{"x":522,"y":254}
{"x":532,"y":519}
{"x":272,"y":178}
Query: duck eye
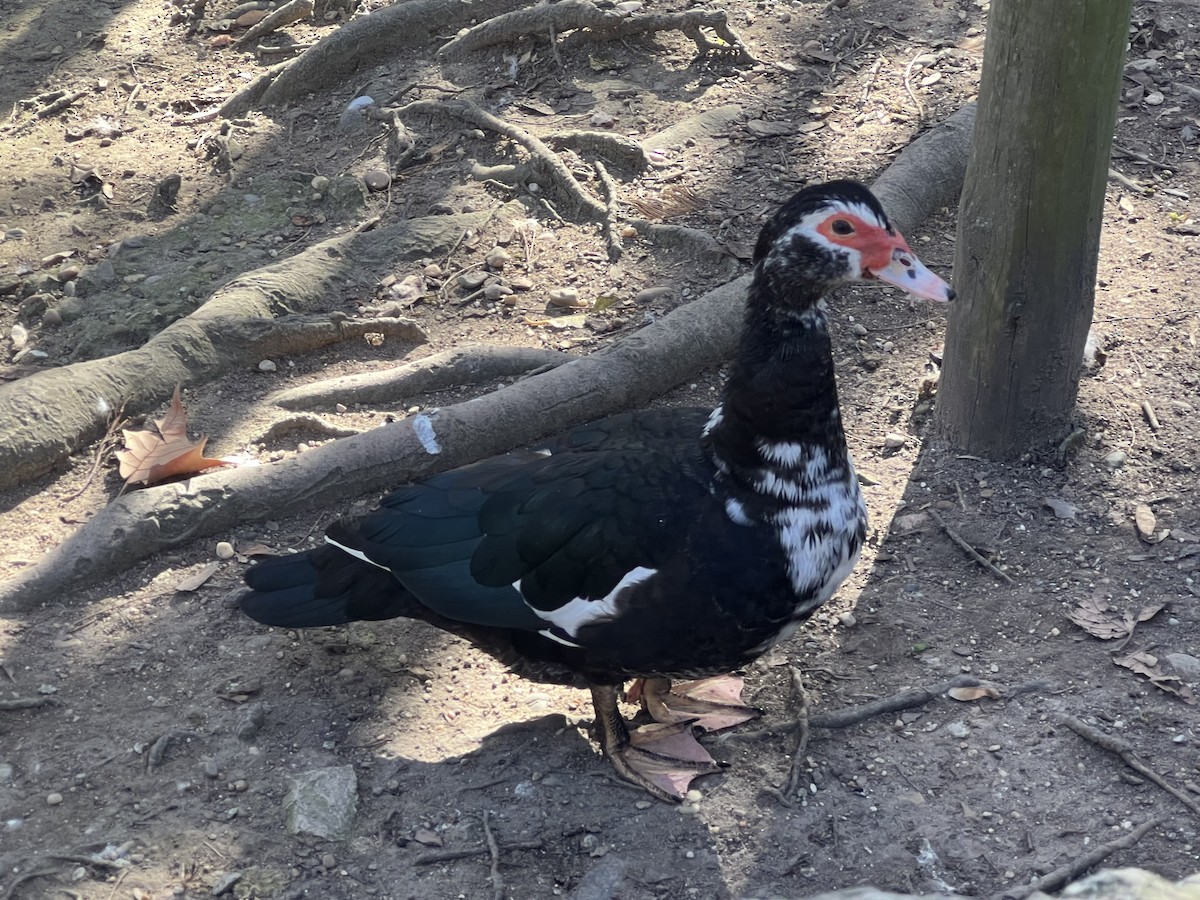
{"x":841,"y":226}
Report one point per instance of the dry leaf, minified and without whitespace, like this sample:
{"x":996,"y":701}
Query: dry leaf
{"x":1062,"y":509}
{"x":1146,"y":664}
{"x":1092,"y":616}
{"x":156,"y":454}
{"x":974,"y":692}
{"x":1149,"y":612}
{"x":196,"y":580}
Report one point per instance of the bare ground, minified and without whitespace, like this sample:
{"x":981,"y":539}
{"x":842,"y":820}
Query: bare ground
{"x":979,"y":797}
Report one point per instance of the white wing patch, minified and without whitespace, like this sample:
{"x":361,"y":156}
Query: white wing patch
{"x":714,"y":419}
{"x":357,"y":554}
{"x":576,"y":613}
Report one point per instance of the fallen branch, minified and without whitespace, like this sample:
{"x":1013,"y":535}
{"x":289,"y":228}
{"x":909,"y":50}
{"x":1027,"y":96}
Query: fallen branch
{"x":968,"y":549}
{"x":627,"y":374}
{"x":1125,"y":753}
{"x":613,"y":147}
{"x":494,"y":852}
{"x":473,"y":364}
{"x":441,"y":856}
{"x":855,"y":715}
{"x":1063,"y":874}
{"x":26,"y":703}
{"x":799,"y":756}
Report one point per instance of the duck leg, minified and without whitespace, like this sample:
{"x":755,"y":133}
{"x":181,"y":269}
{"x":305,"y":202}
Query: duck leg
{"x":662,"y":758}
{"x":713,"y":704}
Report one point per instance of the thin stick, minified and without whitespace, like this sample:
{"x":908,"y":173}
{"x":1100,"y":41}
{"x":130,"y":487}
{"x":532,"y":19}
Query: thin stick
{"x":440,"y":856}
{"x":117,"y":886}
{"x":967,"y":548}
{"x":1125,"y":753}
{"x":28,"y":876}
{"x":26,"y":703}
{"x":119,"y":421}
{"x":494,"y":852}
{"x":1076,"y":867}
{"x":1125,"y":151}
{"x":908,"y":85}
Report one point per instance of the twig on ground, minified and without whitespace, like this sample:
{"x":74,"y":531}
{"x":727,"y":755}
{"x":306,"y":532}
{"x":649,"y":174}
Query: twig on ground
{"x":555,"y":169}
{"x":871,"y":76}
{"x":968,"y":549}
{"x":19,"y":880}
{"x":614,"y":147}
{"x":1063,"y":874}
{"x":106,"y":443}
{"x":1133,"y":154}
{"x":60,"y":104}
{"x":1122,"y":178}
{"x":612,"y":231}
{"x":854,"y":715}
{"x":908,"y":85}
{"x":493,"y":851}
{"x":440,"y":856}
{"x":26,"y":703}
{"x":799,"y":757}
{"x":1125,"y":753}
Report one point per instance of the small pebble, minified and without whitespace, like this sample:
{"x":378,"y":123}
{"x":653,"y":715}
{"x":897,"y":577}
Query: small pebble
{"x":224,"y":550}
{"x":860,"y":329}
{"x":377,"y":179}
{"x":958,"y":730}
{"x":54,"y":799}
{"x":267,"y":366}
{"x":328,"y":861}
{"x":497,"y":258}
{"x":847,"y":619}
{"x":694,"y":796}
{"x":1116,"y":459}
{"x":566,"y":297}
{"x":642,"y":804}
{"x":893,"y":441}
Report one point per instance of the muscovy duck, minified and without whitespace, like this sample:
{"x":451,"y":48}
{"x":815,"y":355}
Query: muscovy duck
{"x":665,"y":544}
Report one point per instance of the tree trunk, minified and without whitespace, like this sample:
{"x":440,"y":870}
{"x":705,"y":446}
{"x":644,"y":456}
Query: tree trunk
{"x":1029,"y":222}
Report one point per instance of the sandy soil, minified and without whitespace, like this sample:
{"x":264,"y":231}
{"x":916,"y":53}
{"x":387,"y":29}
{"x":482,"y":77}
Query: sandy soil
{"x":978,"y":797}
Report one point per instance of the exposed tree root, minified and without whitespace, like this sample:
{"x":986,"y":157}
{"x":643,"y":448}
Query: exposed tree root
{"x":473,"y":364}
{"x":546,"y":164}
{"x":641,"y":366}
{"x":303,"y":424}
{"x":254,"y":315}
{"x":601,"y":25}
{"x":359,"y":44}
{"x":615,"y":148}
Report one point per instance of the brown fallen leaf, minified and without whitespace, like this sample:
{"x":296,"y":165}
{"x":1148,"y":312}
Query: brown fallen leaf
{"x":974,"y":692}
{"x":1146,"y":664}
{"x":1092,"y":616}
{"x":194,"y":581}
{"x":163,"y":451}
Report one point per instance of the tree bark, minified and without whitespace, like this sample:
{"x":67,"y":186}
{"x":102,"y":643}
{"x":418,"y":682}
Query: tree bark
{"x":1029,"y":223}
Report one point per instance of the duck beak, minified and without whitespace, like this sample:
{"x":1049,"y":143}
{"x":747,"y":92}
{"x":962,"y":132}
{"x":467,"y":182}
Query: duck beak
{"x":909,"y":274}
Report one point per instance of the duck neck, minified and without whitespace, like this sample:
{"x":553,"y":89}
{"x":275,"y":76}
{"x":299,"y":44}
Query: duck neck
{"x":779,"y":412}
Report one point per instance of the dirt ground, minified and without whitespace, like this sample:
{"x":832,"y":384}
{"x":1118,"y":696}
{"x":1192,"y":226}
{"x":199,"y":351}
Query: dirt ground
{"x":976,"y":797}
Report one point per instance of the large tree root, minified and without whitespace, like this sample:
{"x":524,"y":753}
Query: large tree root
{"x":473,"y":364}
{"x":362,"y":42}
{"x":643,"y":365}
{"x":601,"y":25}
{"x":59,"y":411}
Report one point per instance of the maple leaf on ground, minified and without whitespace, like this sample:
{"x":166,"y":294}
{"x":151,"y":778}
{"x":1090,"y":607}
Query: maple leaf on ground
{"x":163,"y":451}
